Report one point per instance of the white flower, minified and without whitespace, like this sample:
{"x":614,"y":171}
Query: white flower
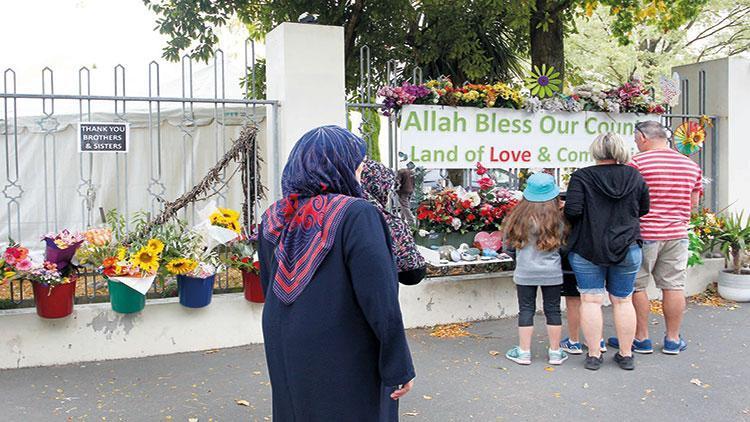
{"x":423,"y":233}
{"x":474,"y":198}
{"x":456,"y":223}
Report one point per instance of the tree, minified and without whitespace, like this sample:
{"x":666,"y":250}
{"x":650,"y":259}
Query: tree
{"x":721,"y":29}
{"x":549,"y":21}
{"x":465,"y":39}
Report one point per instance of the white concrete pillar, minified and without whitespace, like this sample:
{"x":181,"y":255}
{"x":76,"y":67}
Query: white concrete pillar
{"x":305,"y":73}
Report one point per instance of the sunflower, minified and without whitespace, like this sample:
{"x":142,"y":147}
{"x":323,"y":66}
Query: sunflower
{"x":229,"y":214}
{"x":146,"y":259}
{"x":122,"y":252}
{"x":155,"y":245}
{"x":544,"y":83}
{"x":181,"y":265}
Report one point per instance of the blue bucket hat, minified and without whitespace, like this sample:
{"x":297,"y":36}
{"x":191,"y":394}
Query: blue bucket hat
{"x":541,"y":187}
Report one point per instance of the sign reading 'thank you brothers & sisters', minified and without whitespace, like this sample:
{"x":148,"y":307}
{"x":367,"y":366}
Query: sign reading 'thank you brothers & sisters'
{"x":459,"y":137}
{"x":103,"y":137}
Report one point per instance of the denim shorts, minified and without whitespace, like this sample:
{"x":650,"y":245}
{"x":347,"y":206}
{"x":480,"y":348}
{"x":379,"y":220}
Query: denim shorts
{"x":618,"y":279}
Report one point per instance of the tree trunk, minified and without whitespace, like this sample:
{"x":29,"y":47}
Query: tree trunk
{"x":546,"y":35}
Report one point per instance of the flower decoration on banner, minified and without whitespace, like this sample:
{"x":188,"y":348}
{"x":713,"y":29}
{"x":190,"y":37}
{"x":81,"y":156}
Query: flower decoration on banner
{"x":545,"y":82}
{"x":670,"y":89}
{"x":631,"y":97}
{"x":689,"y":137}
{"x":458,"y":210}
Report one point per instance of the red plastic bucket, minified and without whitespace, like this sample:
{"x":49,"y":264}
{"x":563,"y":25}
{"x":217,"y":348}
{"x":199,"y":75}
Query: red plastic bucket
{"x":253,"y":288}
{"x":54,"y":301}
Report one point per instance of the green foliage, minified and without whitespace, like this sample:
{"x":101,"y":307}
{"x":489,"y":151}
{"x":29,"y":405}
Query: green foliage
{"x":466,"y":39}
{"x":722,"y":28}
{"x":734,"y":239}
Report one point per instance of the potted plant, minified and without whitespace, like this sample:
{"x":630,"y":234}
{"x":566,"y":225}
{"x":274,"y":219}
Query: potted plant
{"x":54,"y":287}
{"x":130,"y":270}
{"x":192,"y":255}
{"x":733,"y":240}
{"x":241,"y":256}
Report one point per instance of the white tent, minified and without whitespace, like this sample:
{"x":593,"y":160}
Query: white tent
{"x":57,"y":187}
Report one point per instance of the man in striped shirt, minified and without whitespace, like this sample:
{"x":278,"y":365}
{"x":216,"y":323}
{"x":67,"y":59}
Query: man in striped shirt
{"x":675,"y":185}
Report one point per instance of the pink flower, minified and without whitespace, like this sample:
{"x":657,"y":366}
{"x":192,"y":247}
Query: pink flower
{"x":481,"y":170}
{"x":24,"y":265}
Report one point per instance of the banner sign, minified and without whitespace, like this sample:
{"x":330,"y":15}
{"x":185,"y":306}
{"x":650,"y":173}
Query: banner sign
{"x":103,"y":137}
{"x":459,"y":137}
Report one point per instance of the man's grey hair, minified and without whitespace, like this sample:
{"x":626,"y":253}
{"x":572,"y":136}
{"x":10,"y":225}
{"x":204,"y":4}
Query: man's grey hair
{"x":652,"y":130}
{"x":610,"y":146}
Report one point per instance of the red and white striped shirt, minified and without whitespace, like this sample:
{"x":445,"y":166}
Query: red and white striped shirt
{"x":671,"y":178}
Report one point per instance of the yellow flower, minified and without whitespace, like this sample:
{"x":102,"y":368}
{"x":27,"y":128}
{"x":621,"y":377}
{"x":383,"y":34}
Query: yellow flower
{"x":8,"y":274}
{"x":155,"y":245}
{"x":229,"y":214}
{"x":147,"y":260}
{"x":122,"y":252}
{"x":181,"y":266}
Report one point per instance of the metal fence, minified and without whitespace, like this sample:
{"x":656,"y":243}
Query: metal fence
{"x":49,"y":185}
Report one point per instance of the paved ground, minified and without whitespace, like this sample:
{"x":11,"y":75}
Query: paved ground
{"x":458,"y":380}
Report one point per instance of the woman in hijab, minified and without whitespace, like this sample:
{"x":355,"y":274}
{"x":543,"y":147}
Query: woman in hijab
{"x":334,"y":338}
{"x":379,"y":184}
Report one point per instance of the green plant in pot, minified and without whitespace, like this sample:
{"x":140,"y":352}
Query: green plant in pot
{"x":733,"y":241}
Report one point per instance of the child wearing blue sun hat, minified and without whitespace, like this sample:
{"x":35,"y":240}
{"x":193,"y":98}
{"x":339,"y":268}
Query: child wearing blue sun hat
{"x":535,"y":230}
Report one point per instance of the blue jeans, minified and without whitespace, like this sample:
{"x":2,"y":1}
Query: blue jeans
{"x":618,"y":279}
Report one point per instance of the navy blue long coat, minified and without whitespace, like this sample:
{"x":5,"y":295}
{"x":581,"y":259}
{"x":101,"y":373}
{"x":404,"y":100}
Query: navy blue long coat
{"x":339,"y":350}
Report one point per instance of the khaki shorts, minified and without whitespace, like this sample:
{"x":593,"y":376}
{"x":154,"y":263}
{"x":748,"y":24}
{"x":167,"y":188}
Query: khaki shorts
{"x":664,"y":262}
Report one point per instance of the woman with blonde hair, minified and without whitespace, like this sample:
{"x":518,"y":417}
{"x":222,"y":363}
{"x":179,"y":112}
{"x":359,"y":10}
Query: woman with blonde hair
{"x":604,"y":203}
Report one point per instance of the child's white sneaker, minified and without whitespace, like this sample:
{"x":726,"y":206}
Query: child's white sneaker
{"x":557,"y":357}
{"x":519,"y":356}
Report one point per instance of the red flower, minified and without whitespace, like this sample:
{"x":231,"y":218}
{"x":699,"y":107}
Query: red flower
{"x":486,"y":183}
{"x":470,"y":218}
{"x":481,"y":170}
{"x":256,"y":265}
{"x":245,"y":259}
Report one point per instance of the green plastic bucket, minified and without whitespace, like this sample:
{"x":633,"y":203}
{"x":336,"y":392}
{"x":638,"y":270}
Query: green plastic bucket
{"x":124,"y":299}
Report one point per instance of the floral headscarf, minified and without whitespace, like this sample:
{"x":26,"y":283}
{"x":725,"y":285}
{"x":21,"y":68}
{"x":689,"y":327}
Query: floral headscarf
{"x":379,"y":184}
{"x":319,"y":184}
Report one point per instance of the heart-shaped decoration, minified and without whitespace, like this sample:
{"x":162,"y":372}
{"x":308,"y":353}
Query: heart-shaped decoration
{"x":492,"y":241}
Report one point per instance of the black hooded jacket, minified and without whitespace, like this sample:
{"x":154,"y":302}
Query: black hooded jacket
{"x":604,"y":204}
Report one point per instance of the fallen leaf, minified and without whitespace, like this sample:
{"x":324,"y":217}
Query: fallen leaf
{"x":585,"y":385}
{"x":410,"y":414}
{"x":696,"y":381}
{"x":209,"y":352}
{"x":557,"y":395}
{"x":256,"y":372}
{"x":451,"y":330}
{"x":192,"y":419}
{"x":549,"y":369}
{"x":494,"y":353}
{"x":242,"y":402}
{"x":427,"y":397}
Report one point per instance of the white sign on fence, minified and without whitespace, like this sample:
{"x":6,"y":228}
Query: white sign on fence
{"x":103,"y":137}
{"x":459,"y":137}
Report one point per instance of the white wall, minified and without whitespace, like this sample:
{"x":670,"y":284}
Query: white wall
{"x":728,"y":98}
{"x":95,"y":332}
{"x":305,"y":72}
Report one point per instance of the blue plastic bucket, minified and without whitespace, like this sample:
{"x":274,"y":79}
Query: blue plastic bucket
{"x":195,"y":292}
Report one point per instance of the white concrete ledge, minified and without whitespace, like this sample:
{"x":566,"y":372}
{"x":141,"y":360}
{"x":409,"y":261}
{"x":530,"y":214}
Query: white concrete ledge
{"x":94,"y":332}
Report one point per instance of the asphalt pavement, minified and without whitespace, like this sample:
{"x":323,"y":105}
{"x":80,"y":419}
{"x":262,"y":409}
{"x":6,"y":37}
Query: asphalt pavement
{"x":458,"y":379}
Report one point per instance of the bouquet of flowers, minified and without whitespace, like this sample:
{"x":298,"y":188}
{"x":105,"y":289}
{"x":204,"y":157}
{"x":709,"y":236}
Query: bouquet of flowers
{"x":241,"y":256}
{"x":15,"y":260}
{"x":462,"y":211}
{"x":187,"y":252}
{"x":17,"y":263}
{"x":62,"y":246}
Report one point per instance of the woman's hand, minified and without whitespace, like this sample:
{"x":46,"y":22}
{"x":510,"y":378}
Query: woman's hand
{"x":401,"y":392}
